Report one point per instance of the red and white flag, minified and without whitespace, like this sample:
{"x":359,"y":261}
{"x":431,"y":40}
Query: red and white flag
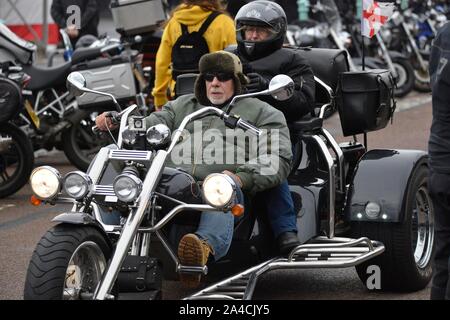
{"x":374,"y":15}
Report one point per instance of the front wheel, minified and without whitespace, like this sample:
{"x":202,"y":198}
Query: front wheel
{"x":406,"y":263}
{"x":405,"y":76}
{"x":16,"y":159}
{"x":67,"y":264}
{"x":80,"y":144}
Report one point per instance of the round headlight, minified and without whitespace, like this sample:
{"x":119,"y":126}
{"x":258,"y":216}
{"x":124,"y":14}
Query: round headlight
{"x":77,"y":184}
{"x":218,"y":190}
{"x":127,"y":187}
{"x":45,"y":182}
{"x":158,"y":135}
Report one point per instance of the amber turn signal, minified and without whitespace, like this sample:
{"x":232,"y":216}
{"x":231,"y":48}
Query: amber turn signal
{"x":35,"y":201}
{"x":237,"y":210}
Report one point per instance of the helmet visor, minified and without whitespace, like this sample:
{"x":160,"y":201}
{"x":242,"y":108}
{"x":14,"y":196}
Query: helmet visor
{"x":253,"y":32}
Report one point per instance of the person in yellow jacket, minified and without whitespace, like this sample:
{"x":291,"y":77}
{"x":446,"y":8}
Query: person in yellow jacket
{"x":220,"y":34}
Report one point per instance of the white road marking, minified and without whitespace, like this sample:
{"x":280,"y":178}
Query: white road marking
{"x":6,"y":206}
{"x":412,"y":102}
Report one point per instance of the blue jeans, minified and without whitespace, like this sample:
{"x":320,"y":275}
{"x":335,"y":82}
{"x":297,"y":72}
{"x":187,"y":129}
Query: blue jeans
{"x":216,"y":228}
{"x":280,"y":208}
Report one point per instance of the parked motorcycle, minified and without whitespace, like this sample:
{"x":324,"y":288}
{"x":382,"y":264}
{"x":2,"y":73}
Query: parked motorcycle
{"x":401,"y":39}
{"x":16,"y":151}
{"x":328,"y":32}
{"x":111,"y":244}
{"x":56,"y":118}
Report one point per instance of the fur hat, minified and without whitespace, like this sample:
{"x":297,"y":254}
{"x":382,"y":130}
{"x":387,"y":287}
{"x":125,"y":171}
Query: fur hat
{"x":220,"y":61}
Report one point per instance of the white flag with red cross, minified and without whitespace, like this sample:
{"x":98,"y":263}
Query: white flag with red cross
{"x":374,"y":15}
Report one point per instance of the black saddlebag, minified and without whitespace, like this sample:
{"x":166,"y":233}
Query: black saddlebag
{"x":365,"y":100}
{"x":139,"y":274}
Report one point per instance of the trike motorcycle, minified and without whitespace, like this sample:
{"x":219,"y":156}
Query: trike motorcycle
{"x":355,"y":208}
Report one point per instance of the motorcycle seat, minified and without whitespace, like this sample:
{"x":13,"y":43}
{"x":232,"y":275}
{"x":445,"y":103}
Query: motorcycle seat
{"x":82,"y":54}
{"x":327,"y":64}
{"x":44,"y":78}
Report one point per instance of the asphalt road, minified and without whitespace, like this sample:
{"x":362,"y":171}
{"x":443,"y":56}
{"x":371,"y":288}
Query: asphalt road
{"x":22,"y":225}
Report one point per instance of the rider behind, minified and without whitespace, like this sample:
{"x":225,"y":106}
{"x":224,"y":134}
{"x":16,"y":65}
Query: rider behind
{"x":191,"y":13}
{"x":229,"y":152}
{"x":261,"y":28}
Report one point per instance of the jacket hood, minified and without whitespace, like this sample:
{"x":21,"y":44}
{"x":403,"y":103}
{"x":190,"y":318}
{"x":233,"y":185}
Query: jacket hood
{"x":190,"y":16}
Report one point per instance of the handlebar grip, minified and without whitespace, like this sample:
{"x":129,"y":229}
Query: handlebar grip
{"x":244,"y":125}
{"x":115,"y":117}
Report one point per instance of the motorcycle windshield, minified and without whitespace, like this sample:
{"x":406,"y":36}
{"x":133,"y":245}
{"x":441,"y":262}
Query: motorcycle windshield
{"x":6,"y":33}
{"x":331,"y":12}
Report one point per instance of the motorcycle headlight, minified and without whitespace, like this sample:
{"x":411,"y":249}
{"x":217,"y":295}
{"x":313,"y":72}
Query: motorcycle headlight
{"x":158,"y":135}
{"x":218,"y":190}
{"x":45,"y":182}
{"x":127,"y":187}
{"x":77,"y":184}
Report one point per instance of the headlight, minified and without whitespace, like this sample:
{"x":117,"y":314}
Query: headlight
{"x":127,"y":187}
{"x":77,"y":184}
{"x":45,"y":182}
{"x":218,"y":190}
{"x":158,"y":135}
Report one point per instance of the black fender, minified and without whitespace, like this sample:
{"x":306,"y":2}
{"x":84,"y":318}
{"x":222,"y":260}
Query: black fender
{"x":81,"y":218}
{"x":382,"y":176}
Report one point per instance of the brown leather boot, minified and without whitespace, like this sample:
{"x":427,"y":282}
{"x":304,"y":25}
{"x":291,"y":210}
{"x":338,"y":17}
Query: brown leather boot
{"x":192,"y":251}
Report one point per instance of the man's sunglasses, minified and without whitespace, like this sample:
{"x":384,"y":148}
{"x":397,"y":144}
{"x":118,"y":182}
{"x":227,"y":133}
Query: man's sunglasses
{"x":221,"y":76}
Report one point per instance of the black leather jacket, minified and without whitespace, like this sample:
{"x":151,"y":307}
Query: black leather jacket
{"x":439,"y":67}
{"x":290,"y":62}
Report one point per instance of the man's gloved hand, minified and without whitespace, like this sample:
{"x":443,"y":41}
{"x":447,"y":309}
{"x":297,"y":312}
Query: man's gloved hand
{"x":257,"y":82}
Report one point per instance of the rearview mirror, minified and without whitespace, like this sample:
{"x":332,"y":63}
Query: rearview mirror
{"x":281,"y":87}
{"x":76,"y":84}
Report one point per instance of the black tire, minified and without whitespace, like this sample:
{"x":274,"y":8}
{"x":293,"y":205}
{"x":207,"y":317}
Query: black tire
{"x":406,"y":77}
{"x":400,"y":269}
{"x":47,"y":274}
{"x":80,"y":144}
{"x":16,"y":159}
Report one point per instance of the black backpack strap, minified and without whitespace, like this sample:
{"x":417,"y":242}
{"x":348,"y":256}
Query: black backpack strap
{"x":207,"y":22}
{"x":184,"y":29}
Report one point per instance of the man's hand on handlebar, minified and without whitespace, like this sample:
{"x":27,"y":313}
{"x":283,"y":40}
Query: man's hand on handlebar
{"x":104,"y":122}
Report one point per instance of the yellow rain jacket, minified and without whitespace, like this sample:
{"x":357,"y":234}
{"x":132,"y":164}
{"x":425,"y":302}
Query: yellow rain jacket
{"x":220,"y":34}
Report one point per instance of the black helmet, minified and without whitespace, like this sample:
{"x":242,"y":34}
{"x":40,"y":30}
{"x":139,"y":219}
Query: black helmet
{"x":263,"y":14}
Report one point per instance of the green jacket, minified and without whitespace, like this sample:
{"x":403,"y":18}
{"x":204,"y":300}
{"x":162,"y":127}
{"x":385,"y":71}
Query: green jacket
{"x":208,"y":146}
